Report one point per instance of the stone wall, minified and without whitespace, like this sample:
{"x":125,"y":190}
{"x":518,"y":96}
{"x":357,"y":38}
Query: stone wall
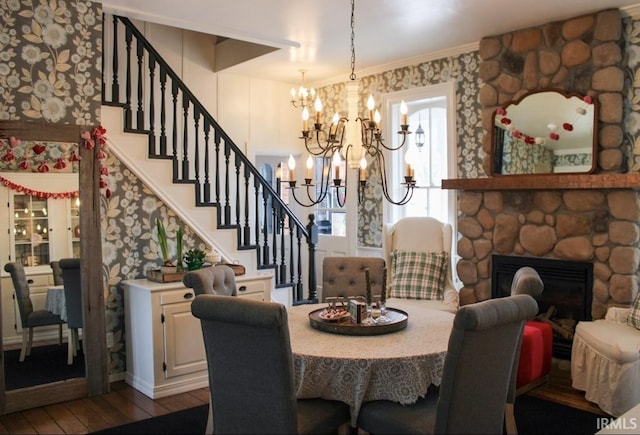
{"x":581,"y":55}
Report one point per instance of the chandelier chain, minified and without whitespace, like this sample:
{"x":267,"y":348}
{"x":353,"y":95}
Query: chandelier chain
{"x":353,"y":38}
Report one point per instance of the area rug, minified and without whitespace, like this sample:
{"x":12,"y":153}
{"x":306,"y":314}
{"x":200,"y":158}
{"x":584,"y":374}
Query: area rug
{"x":533,"y":416}
{"x":45,"y":364}
{"x":539,"y":416}
{"x":187,"y":421}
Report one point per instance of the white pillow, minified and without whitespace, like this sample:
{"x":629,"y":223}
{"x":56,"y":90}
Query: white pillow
{"x":617,"y":314}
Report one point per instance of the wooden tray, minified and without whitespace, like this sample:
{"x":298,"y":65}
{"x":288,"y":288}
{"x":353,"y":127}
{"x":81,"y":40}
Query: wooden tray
{"x":156,"y":275}
{"x":347,"y":326}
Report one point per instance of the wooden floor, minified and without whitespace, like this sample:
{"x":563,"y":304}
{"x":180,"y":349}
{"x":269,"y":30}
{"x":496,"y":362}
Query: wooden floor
{"x":125,"y":404}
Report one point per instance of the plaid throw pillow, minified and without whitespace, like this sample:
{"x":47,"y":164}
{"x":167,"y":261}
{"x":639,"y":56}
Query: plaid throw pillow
{"x":634,"y":314}
{"x":418,"y":275}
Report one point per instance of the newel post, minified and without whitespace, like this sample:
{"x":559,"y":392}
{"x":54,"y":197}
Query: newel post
{"x":312,"y":228}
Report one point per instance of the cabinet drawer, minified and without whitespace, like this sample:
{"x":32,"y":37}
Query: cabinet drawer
{"x":175,"y":296}
{"x":40,"y":280}
{"x":247,"y":287}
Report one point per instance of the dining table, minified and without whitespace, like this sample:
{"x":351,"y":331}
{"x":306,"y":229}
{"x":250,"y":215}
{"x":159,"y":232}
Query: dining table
{"x":56,"y":302}
{"x":398,"y":366}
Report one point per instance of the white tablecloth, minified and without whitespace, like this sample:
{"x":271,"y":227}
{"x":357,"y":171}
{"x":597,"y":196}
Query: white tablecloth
{"x":398,"y":366}
{"x":56,"y":303}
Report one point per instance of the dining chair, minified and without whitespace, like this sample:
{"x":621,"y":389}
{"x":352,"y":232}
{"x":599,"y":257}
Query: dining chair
{"x":250,"y":366}
{"x":475,"y":379}
{"x":57,"y":272}
{"x":29,"y":318}
{"x":344,"y":276}
{"x":215,"y":280}
{"x":71,"y":274}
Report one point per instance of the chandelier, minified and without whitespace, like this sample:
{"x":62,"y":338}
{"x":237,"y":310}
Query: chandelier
{"x":302,"y":97}
{"x":329,"y":148}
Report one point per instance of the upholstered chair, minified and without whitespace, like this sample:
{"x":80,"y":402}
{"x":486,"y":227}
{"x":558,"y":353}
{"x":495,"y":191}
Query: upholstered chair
{"x":250,"y":366}
{"x":344,"y":276}
{"x":215,"y":280}
{"x":422,"y":234}
{"x":29,"y":318}
{"x":57,"y":272}
{"x":73,"y":300}
{"x":475,"y":379}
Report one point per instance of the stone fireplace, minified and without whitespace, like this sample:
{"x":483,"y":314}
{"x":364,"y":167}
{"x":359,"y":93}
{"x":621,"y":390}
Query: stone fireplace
{"x":565,"y":300}
{"x":538,"y":215}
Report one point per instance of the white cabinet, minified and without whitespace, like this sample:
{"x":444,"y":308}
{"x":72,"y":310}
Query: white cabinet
{"x":165,"y":351}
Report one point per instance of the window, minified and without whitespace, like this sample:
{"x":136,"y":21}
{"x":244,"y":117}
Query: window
{"x":432,"y":109}
{"x":330,"y":216}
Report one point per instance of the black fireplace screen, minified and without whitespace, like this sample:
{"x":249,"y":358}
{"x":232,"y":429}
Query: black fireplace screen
{"x":565,"y":300}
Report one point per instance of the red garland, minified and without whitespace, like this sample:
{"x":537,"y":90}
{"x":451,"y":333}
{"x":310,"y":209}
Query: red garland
{"x":37,"y":193}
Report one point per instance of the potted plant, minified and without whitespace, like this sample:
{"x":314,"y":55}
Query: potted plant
{"x":164,"y":245}
{"x":194,"y":258}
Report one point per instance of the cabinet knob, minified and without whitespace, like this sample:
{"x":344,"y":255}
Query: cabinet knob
{"x":29,"y":281}
{"x":188,"y":295}
{"x":242,"y":288}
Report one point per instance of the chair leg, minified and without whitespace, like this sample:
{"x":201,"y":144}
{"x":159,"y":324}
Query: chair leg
{"x":209,"y":428}
{"x":60,"y":334}
{"x":71,"y":348}
{"x":25,"y":343}
{"x":510,"y":419}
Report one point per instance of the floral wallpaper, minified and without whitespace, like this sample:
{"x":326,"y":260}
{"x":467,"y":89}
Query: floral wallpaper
{"x":50,"y":61}
{"x":519,"y":157}
{"x":632,"y":86}
{"x":463,"y":69}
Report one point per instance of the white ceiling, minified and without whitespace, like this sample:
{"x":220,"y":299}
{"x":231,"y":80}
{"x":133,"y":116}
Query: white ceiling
{"x":315,"y":35}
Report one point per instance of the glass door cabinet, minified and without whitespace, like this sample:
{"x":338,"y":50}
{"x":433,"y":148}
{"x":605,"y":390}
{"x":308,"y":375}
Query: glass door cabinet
{"x":31,"y":230}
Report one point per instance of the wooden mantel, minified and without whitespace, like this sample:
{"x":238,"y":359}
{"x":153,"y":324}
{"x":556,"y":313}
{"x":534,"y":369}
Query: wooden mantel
{"x":546,"y":182}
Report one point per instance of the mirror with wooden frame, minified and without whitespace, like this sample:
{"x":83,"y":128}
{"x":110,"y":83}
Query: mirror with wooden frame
{"x":545,"y":132}
{"x":93,"y":343}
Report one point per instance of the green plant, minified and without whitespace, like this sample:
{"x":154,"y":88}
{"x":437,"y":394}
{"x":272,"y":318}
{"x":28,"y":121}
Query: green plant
{"x":164,"y":244}
{"x":194,"y":258}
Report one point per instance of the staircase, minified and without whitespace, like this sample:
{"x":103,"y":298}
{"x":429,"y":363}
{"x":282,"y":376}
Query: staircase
{"x":178,"y":150}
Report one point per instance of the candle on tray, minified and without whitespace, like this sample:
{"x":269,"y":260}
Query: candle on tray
{"x":368,"y":285}
{"x":383,"y":293}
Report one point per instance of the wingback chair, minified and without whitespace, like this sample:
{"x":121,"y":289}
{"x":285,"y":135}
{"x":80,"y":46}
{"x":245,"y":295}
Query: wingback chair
{"x":73,"y":299}
{"x":422,"y":234}
{"x":251,"y":377}
{"x":215,"y":280}
{"x":475,"y":378}
{"x":29,"y":318}
{"x":344,"y":276}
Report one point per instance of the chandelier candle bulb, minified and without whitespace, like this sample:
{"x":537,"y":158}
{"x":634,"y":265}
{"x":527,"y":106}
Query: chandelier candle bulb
{"x":292,"y":168}
{"x":309,"y":167}
{"x":370,"y":105}
{"x":318,"y":106}
{"x":403,"y":113}
{"x":305,"y":119}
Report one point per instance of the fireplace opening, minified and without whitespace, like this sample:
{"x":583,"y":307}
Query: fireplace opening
{"x":565,"y":299}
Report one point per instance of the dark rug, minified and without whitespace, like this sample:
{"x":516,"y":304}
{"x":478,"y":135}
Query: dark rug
{"x":45,"y":364}
{"x":187,"y":421}
{"x":533,"y":416}
{"x":538,"y":416}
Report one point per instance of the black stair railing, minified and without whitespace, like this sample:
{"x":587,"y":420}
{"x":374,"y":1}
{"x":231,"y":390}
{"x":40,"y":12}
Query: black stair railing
{"x":157,"y":103}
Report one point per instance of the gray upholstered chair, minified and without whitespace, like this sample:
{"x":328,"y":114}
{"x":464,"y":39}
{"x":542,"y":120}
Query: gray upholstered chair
{"x":57,"y":272}
{"x":215,"y":280}
{"x":73,"y":299}
{"x":476,"y":375}
{"x":29,"y":318}
{"x":251,"y":371}
{"x":344,"y":276}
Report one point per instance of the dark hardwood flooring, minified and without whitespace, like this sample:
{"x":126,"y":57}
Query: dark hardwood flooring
{"x":125,"y":404}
